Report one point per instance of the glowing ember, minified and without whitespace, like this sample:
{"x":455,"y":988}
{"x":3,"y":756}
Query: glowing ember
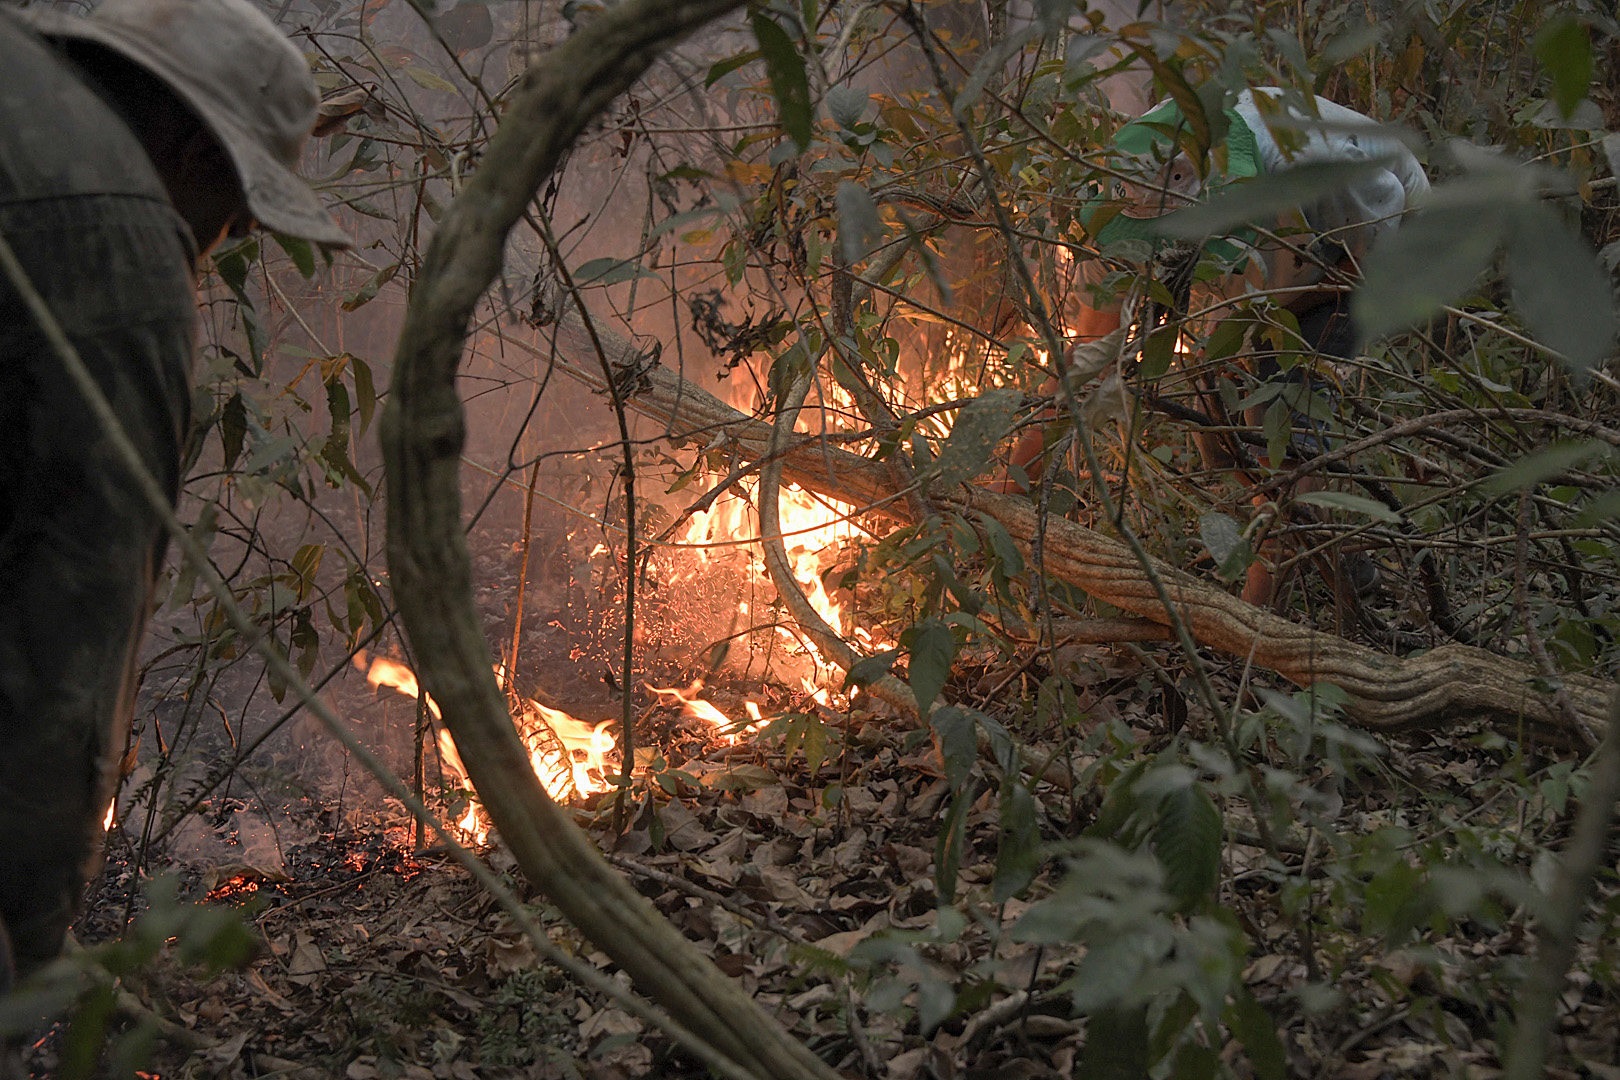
{"x":236,"y":888}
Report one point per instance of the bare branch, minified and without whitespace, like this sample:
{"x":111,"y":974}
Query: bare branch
{"x":423,"y":430}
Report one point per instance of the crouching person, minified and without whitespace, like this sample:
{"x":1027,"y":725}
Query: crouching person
{"x":132,"y":142}
{"x":1302,"y":262}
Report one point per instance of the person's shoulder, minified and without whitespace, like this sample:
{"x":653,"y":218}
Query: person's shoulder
{"x":57,"y":136}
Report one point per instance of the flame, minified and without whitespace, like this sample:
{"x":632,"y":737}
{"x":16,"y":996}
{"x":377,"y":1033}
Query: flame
{"x":569,"y":756}
{"x":396,"y":676}
{"x":812,"y":530}
{"x":107,"y":821}
{"x":727,"y":729}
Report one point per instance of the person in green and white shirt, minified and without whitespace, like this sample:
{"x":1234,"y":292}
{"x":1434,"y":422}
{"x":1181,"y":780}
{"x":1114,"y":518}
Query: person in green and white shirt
{"x":1302,"y":260}
{"x":1266,"y":133}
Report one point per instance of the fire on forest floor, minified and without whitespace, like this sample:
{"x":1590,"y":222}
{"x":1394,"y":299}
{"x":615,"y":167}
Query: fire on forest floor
{"x":778,"y":856}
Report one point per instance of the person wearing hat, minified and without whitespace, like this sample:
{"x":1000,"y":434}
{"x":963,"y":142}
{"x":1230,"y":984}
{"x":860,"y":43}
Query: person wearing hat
{"x":132,"y":141}
{"x":1302,"y":261}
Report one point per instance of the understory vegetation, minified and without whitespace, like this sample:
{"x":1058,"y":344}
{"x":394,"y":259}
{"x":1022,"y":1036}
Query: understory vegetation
{"x":1022,"y":829}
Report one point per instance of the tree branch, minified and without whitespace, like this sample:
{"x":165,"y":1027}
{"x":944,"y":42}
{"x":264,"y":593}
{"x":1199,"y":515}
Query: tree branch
{"x":1385,"y":692}
{"x":423,"y":431}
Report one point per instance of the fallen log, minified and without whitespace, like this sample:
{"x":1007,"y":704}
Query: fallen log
{"x":1385,"y":692}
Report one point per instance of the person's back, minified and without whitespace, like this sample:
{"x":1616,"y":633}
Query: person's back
{"x":86,"y":215}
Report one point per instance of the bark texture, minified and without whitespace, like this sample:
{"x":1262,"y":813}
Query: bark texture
{"x":1385,"y":692}
{"x":423,"y":431}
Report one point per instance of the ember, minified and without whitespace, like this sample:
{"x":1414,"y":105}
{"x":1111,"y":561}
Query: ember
{"x":237,"y":888}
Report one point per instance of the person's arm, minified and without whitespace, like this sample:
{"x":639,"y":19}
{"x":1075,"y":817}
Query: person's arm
{"x":1092,"y":324}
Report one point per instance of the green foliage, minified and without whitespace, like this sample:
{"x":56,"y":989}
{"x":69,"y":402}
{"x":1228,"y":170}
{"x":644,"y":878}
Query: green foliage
{"x":1224,"y":539}
{"x":789,"y":83}
{"x":524,"y":1018}
{"x":843,"y":218}
{"x":1187,"y":842}
{"x":1564,"y":47}
{"x":932,"y":648}
{"x":85,"y":984}
{"x":979,"y":428}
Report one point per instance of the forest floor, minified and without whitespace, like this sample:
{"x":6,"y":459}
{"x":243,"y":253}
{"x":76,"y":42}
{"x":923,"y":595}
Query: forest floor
{"x":804,"y":860}
{"x":377,"y":959}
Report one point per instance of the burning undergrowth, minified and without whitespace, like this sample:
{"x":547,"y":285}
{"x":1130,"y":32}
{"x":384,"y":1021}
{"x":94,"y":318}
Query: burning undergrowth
{"x":716,"y":658}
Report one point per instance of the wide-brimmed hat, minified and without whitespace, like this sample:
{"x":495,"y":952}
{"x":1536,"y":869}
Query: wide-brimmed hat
{"x":244,"y":79}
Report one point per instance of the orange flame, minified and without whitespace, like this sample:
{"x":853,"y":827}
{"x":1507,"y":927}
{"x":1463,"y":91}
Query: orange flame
{"x":811,"y":528}
{"x":396,"y":676}
{"x":700,"y":709}
{"x":569,"y":756}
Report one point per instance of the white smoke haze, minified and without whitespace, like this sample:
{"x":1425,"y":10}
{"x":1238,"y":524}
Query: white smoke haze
{"x":648,"y":187}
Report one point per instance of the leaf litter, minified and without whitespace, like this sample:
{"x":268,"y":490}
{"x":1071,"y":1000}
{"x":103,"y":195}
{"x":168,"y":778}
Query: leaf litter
{"x":812,"y":882}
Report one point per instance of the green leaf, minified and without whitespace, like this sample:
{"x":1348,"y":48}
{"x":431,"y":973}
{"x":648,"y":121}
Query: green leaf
{"x":424,"y":78}
{"x":305,"y":564}
{"x":1278,"y":425}
{"x":1257,"y":1031}
{"x":1350,"y":502}
{"x":610,"y":271}
{"x":868,"y":671}
{"x":270,"y":453}
{"x":301,"y":251}
{"x":1430,"y":261}
{"x":1223,"y":537}
{"x":1564,"y":47}
{"x":948,"y":847}
{"x":232,"y":428}
{"x":789,"y":84}
{"x":1559,"y":286}
{"x":365,"y":392}
{"x":847,"y":104}
{"x":958,"y":743}
{"x":1009,"y":560}
{"x":1017,"y":855}
{"x":1543,"y":465}
{"x":792,"y":364}
{"x":1158,"y":352}
{"x":368,"y":292}
{"x":1187,"y":842}
{"x":1204,"y":126}
{"x":1355,"y":39}
{"x":1264,"y":198}
{"x":859,"y":227}
{"x":338,"y":409}
{"x":1195,"y":1061}
{"x":1116,"y":1045}
{"x":1392,"y":900}
{"x":980,"y":427}
{"x":933,"y":647}
{"x":801,"y":731}
{"x":721,"y":68}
